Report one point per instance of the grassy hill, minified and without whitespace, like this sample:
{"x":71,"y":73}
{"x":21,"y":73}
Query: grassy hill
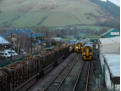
{"x":110,"y":7}
{"x":22,"y":13}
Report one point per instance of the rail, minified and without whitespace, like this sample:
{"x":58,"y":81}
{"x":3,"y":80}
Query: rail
{"x":46,"y":89}
{"x":78,"y":77}
{"x":87,"y":75}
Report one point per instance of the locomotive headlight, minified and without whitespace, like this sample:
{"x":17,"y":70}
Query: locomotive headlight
{"x":76,"y":46}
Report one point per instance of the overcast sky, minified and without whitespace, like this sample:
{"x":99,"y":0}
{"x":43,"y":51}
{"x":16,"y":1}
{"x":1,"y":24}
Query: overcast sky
{"x":117,"y":2}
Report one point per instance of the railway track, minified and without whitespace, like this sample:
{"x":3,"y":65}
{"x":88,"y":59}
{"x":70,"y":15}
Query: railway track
{"x":75,"y":76}
{"x":58,"y":81}
{"x":78,"y":82}
{"x":83,"y":78}
{"x":29,"y":83}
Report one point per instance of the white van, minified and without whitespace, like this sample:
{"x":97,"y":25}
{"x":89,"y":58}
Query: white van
{"x":7,"y":53}
{"x":13,"y":52}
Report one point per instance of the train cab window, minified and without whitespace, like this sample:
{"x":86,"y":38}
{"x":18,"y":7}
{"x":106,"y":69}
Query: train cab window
{"x":87,"y":48}
{"x":90,"y":49}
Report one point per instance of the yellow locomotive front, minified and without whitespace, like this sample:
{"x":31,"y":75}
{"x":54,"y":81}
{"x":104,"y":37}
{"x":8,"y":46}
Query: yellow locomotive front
{"x":87,"y":53}
{"x":78,"y":47}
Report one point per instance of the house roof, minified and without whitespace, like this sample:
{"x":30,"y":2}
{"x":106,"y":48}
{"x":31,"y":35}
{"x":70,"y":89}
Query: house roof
{"x":113,"y":61}
{"x":110,"y":45}
{"x":3,"y":40}
{"x":111,"y":33}
{"x":29,"y":32}
{"x":110,"y":40}
{"x":34,"y":35}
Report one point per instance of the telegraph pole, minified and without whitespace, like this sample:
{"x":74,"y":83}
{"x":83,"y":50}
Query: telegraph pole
{"x":31,"y":43}
{"x":11,"y":46}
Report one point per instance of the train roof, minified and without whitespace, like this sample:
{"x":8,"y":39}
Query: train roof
{"x":89,"y":44}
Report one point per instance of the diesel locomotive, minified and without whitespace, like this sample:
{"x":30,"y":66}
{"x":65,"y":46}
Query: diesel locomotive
{"x":78,"y":47}
{"x":87,"y":52}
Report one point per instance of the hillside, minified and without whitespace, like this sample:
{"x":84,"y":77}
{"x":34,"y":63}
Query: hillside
{"x":22,"y":13}
{"x":110,"y":7}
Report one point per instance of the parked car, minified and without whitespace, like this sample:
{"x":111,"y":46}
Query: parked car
{"x":11,"y":51}
{"x":5,"y":54}
{"x":23,"y":52}
{"x":8,"y":53}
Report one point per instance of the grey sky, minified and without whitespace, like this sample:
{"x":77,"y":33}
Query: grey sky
{"x":117,"y":2}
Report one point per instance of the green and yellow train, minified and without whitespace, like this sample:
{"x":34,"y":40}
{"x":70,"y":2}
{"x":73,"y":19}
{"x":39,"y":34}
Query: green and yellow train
{"x":78,"y":47}
{"x":87,"y":52}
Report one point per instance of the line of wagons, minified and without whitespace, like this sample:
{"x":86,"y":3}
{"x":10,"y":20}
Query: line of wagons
{"x":14,"y":75}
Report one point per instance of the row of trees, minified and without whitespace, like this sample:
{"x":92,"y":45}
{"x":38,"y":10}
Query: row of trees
{"x":25,"y":42}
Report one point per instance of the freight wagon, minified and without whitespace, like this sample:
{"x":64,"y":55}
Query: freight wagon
{"x":15,"y":75}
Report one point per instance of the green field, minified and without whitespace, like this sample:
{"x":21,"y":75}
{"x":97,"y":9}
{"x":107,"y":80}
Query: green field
{"x":22,"y":13}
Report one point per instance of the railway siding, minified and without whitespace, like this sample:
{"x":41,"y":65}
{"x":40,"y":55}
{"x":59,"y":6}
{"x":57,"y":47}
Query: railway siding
{"x":47,"y":80}
{"x":82,"y":82}
{"x":70,"y":80}
{"x":55,"y":85}
{"x":72,"y":75}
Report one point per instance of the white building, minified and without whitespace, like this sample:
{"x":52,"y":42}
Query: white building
{"x":3,"y":43}
{"x":110,"y":62}
{"x":110,"y":45}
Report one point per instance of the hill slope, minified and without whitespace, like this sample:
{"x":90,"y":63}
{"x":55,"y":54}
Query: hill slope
{"x":23,"y":13}
{"x":110,"y":7}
